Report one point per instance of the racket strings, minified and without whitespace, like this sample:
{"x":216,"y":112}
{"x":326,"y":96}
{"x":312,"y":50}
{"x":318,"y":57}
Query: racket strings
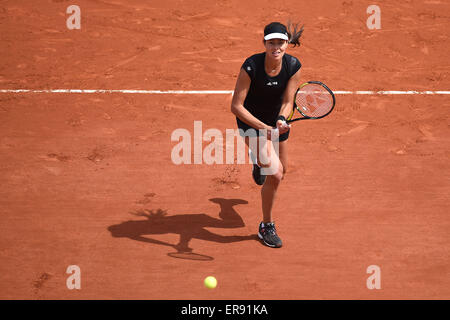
{"x":314,"y":101}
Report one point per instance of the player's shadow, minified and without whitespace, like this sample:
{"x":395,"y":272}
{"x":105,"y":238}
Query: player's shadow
{"x":188,"y":226}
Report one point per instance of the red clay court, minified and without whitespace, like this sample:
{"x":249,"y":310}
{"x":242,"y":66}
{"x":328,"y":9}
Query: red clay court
{"x":87,"y":178}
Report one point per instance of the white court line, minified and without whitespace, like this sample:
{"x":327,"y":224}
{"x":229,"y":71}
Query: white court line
{"x":118,"y":91}
{"x":391,"y":92}
{"x":201,"y":91}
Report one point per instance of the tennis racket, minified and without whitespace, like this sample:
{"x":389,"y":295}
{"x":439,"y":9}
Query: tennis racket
{"x":313,"y":100}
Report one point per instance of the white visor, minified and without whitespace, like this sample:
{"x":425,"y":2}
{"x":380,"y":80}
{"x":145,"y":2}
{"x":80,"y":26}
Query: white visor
{"x":276,"y":36}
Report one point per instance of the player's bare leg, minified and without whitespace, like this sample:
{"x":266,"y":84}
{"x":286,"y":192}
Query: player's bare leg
{"x":273,"y":168}
{"x":270,"y":187}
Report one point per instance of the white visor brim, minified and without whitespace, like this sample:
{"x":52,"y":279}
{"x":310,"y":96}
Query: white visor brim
{"x":276,"y":36}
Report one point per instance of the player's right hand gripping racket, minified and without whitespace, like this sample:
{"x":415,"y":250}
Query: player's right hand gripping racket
{"x":313,"y":100}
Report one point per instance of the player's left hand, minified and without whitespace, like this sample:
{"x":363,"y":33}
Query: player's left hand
{"x":283,"y":126}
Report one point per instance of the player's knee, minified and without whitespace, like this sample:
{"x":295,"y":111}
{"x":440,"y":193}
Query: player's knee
{"x":276,"y":175}
{"x":267,"y":163}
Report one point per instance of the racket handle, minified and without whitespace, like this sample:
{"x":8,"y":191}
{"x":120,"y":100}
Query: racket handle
{"x":277,"y":131}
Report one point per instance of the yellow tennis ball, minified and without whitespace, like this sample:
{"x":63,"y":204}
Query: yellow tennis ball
{"x":210,"y":282}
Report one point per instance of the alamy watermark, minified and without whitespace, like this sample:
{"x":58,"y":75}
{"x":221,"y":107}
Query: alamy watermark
{"x":374,"y":281}
{"x":74,"y":280}
{"x":374,"y":20}
{"x":190,"y":149}
{"x":74,"y":20}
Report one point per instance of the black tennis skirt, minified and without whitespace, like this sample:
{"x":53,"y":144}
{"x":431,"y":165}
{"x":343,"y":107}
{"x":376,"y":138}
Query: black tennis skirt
{"x":245,"y":127}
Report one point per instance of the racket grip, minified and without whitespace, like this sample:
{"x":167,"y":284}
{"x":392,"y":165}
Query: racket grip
{"x":276,"y":131}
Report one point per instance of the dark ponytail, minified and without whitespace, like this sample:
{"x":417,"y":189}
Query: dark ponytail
{"x":294,"y":33}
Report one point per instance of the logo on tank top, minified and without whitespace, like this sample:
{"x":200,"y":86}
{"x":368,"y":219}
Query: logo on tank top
{"x":272,"y":83}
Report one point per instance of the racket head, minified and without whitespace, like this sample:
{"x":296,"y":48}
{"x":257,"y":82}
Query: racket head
{"x":314,"y":100}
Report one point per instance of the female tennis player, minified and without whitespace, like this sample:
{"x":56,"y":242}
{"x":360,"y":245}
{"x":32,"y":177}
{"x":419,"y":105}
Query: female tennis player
{"x":263,"y":99}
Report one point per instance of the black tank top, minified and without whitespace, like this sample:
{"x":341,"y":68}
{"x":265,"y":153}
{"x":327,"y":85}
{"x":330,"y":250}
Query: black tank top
{"x":265,"y":95}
